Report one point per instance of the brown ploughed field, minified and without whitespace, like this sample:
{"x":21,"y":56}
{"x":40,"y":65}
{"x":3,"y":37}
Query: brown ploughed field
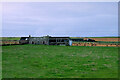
{"x":105,"y":39}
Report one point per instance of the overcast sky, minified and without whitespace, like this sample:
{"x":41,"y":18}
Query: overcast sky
{"x":81,"y":19}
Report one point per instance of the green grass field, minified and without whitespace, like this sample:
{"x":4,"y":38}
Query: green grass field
{"x":9,"y":38}
{"x":43,"y":61}
{"x":0,"y":62}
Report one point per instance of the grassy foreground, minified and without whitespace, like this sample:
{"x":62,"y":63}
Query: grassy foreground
{"x":42,"y":61}
{"x":0,"y":62}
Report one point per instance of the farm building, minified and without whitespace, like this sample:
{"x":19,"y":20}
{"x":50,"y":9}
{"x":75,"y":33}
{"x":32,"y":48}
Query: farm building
{"x":59,"y":40}
{"x":24,"y":40}
{"x":45,"y":40}
{"x":48,"y":40}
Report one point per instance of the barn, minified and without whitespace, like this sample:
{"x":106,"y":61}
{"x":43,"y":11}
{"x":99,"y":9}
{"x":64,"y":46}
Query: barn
{"x":48,"y":40}
{"x":45,"y":40}
{"x":59,"y":40}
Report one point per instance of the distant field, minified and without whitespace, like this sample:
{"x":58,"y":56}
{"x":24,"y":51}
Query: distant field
{"x":105,"y":42}
{"x":107,"y":39}
{"x":10,"y":38}
{"x":18,"y":38}
{"x":102,"y":37}
{"x":95,"y":37}
{"x":43,"y":61}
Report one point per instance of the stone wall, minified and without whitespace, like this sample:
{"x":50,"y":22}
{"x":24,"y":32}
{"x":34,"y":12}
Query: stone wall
{"x":95,"y":44}
{"x":9,"y":42}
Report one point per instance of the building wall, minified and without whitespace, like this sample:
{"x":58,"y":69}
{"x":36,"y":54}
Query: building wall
{"x":70,"y":42}
{"x":45,"y":40}
{"x":49,"y":41}
{"x":58,"y":41}
{"x":38,"y":40}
